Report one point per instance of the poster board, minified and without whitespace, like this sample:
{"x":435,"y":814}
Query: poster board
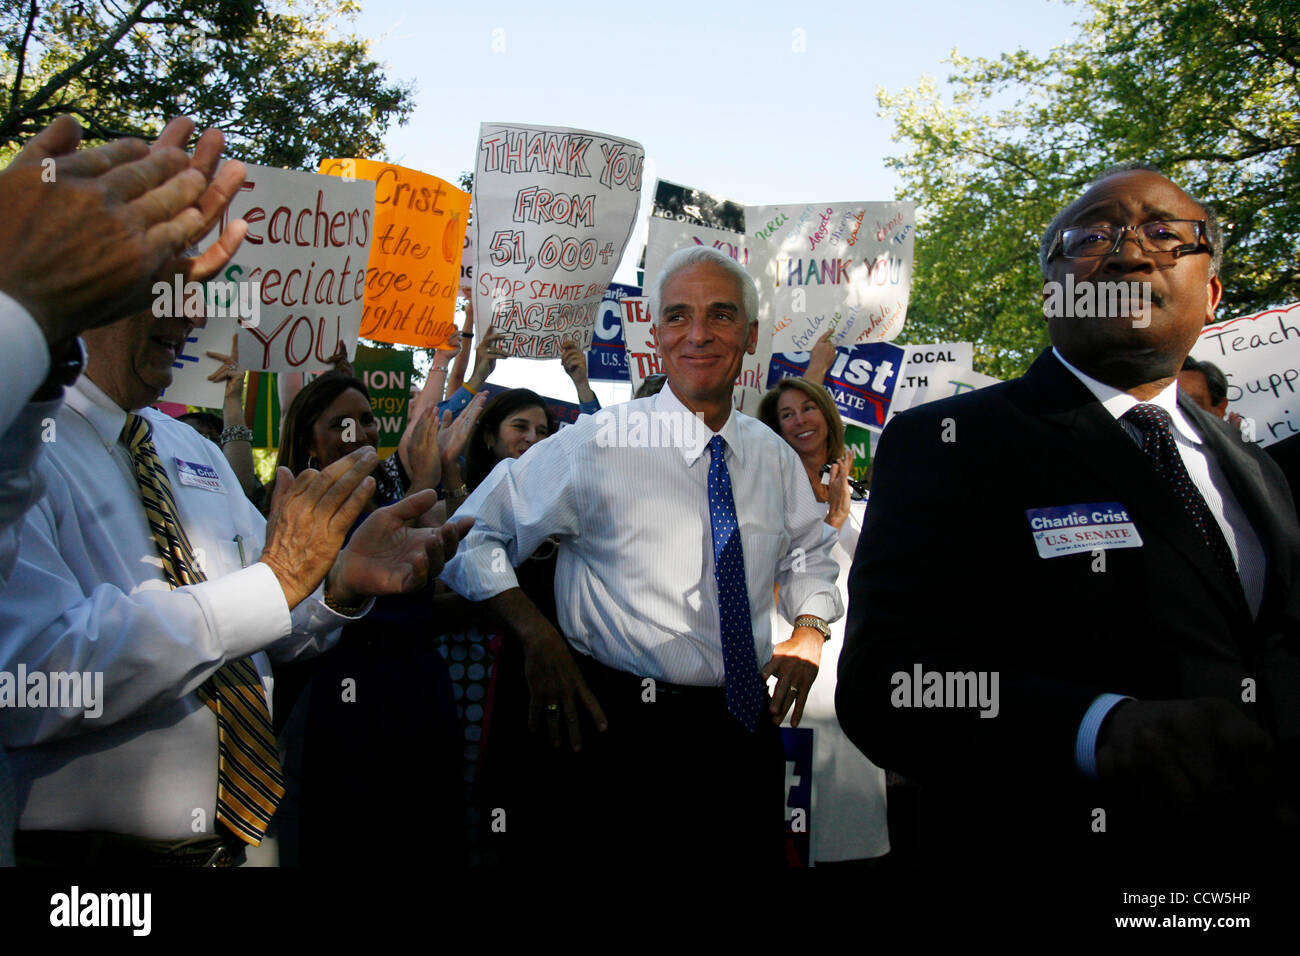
{"x":414,"y":265}
{"x":553,"y":210}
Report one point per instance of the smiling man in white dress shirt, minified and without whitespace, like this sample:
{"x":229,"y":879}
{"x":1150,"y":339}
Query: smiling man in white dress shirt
{"x":661,"y":759}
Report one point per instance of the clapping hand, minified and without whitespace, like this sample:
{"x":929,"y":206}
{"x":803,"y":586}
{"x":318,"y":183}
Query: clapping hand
{"x":419,"y":449}
{"x":839,"y":491}
{"x":389,"y":554}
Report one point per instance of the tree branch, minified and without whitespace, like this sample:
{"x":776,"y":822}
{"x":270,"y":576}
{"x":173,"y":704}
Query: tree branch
{"x":61,"y":78}
{"x":17,"y":90}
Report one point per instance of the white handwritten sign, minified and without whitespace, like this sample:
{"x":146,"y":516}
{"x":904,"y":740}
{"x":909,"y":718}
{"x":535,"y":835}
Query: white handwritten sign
{"x":553,"y":210}
{"x":1260,"y":355}
{"x":305,"y":254}
{"x":307,"y":247}
{"x":842,"y":266}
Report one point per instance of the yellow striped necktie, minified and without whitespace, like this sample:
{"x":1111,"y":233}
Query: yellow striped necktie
{"x":249,"y":782}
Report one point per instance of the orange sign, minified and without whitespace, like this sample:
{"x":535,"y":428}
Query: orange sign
{"x":415,"y":255}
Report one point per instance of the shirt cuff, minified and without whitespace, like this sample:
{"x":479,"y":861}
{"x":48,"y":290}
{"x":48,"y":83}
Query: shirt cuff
{"x":1085,"y":742}
{"x":823,"y":606}
{"x":589,"y":408}
{"x":27,"y":358}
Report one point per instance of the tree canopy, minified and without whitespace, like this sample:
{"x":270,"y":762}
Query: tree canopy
{"x":1207,"y":90}
{"x":285,"y":87}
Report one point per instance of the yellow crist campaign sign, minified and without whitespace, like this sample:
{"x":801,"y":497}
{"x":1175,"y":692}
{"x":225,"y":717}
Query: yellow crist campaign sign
{"x":415,"y":252}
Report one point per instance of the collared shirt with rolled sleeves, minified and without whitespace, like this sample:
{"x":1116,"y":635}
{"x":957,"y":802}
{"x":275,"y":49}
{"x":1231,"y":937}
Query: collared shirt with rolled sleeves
{"x":634,"y":581}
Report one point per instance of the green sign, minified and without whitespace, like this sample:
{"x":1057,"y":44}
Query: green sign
{"x":387,"y":374}
{"x":862,"y":442}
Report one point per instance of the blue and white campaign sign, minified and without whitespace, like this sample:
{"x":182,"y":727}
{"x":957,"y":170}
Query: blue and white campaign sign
{"x":607,"y":357}
{"x":798,"y":743}
{"x":861,"y":381}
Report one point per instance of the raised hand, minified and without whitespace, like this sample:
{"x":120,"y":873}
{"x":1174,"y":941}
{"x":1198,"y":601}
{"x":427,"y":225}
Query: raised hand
{"x":221,"y":186}
{"x":85,"y":231}
{"x":228,"y":369}
{"x":310,"y":516}
{"x":389,"y":555}
{"x":821,"y":358}
{"x":574,"y":361}
{"x":839,"y":492}
{"x":485,"y":357}
{"x":419,"y":451}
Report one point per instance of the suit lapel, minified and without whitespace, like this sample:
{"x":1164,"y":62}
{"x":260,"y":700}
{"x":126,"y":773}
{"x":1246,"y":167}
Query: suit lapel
{"x":1100,"y":445}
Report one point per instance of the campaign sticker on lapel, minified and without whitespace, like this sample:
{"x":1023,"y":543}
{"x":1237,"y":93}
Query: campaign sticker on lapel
{"x":1067,"y":529}
{"x":198,"y":475}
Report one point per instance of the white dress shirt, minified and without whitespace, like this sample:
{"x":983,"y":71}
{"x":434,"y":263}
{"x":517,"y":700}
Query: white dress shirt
{"x":24,"y":359}
{"x":634,"y":581}
{"x":88,"y":594}
{"x":20,"y":482}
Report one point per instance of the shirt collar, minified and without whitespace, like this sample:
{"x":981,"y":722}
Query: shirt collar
{"x":666,"y":401}
{"x":104,"y":415}
{"x":1117,"y":402}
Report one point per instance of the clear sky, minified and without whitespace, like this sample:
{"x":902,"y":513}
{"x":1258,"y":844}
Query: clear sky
{"x":719,"y":93}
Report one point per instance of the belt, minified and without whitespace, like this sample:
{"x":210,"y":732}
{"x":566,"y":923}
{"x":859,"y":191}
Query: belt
{"x":96,"y":848}
{"x":597,"y":673}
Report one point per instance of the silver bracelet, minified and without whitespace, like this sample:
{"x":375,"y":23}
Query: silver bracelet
{"x":236,"y":433}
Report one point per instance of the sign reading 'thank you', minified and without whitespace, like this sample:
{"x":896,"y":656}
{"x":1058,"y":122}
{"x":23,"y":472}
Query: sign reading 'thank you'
{"x":553,"y":209}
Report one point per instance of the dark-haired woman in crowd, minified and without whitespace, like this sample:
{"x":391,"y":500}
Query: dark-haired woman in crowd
{"x":497,"y":716}
{"x":373,"y":733}
{"x":848,"y":812}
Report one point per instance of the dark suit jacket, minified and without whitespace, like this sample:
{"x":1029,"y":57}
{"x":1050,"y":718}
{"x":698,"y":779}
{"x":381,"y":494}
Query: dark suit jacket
{"x":947,"y":575}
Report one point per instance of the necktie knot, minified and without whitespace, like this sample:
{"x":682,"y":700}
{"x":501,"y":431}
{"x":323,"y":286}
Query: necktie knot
{"x":717,"y":447}
{"x":136,"y":432}
{"x":1149,"y":417}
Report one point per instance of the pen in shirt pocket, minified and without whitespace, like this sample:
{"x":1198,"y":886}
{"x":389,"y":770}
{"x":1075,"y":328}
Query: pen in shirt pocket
{"x":239,"y":543}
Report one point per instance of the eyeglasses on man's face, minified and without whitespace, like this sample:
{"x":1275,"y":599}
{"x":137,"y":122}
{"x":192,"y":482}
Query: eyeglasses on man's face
{"x":1175,"y":237}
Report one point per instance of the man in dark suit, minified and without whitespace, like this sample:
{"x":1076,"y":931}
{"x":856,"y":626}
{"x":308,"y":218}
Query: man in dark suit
{"x":1081,"y":652}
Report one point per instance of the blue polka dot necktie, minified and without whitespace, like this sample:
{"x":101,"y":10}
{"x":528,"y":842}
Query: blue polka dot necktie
{"x":250,"y":783}
{"x":1159,"y":444}
{"x":746,"y":695}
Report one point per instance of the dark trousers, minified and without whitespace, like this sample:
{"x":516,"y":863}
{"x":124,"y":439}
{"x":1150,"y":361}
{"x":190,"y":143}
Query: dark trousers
{"x":674,"y":780}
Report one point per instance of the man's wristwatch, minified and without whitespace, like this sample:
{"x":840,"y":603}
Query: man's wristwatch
{"x":809,"y":620}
